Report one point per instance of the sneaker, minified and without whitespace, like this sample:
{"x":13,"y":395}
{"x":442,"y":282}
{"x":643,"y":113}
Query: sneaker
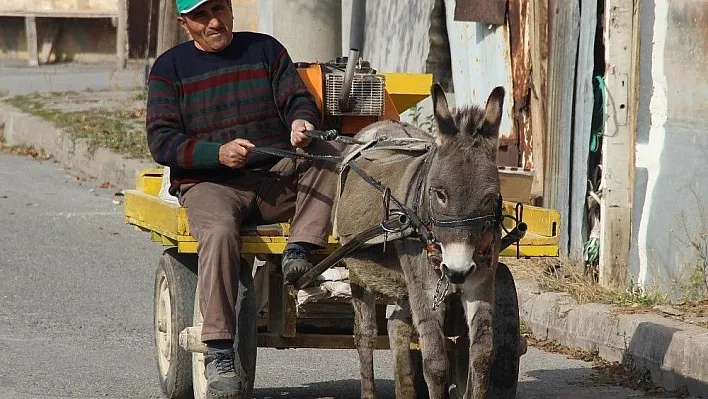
{"x":221,"y":376}
{"x":295,"y":264}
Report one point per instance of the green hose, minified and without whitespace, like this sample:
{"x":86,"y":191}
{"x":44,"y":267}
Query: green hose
{"x":598,"y":113}
{"x":591,"y":250}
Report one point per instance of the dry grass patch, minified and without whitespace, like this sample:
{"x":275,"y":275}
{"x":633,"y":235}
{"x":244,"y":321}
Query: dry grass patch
{"x":556,"y":275}
{"x":21,"y":150}
{"x":111,"y":119}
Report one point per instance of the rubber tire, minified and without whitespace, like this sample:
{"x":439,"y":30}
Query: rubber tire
{"x":180,"y":273}
{"x":507,"y":337}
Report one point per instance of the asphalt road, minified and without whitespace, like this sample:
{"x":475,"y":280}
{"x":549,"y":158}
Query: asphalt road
{"x":17,"y":78}
{"x":76,"y":307}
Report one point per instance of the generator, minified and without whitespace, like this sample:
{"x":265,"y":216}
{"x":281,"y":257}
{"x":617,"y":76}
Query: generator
{"x":349,"y":93}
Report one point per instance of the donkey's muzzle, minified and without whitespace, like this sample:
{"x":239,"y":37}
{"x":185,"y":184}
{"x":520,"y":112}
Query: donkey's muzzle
{"x":457,"y":276}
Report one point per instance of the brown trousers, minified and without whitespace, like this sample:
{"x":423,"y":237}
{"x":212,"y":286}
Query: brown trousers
{"x":216,"y":213}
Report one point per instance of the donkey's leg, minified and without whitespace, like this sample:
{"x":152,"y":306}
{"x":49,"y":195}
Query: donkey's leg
{"x":365,"y":334}
{"x":420,"y":281}
{"x":400,"y":332}
{"x":432,"y":342}
{"x":477,"y":300}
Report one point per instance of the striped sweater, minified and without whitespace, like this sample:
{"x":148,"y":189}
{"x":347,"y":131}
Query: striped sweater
{"x":199,"y":100}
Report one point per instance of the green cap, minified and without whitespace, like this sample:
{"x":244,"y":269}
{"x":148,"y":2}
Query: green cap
{"x":185,"y":6}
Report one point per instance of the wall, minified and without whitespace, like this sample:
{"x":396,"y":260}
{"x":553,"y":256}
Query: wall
{"x":309,"y":29}
{"x":397,"y":34}
{"x":54,"y":5}
{"x":672,"y":142}
{"x":78,"y":39}
{"x":81,"y":40}
{"x":245,"y":14}
{"x":93,"y":40}
{"x":481,"y":61}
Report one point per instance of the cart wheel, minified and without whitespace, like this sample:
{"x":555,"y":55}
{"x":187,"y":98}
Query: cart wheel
{"x":507,"y":343}
{"x":199,"y":379}
{"x":175,"y":283}
{"x":507,"y":337}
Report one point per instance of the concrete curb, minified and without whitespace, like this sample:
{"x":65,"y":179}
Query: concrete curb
{"x":101,"y":164}
{"x":676,"y":353}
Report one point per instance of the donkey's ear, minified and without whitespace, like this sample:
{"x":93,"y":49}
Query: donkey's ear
{"x":441,"y":110}
{"x":493,"y":112}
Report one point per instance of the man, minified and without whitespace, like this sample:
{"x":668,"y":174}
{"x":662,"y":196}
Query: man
{"x":212,"y":102}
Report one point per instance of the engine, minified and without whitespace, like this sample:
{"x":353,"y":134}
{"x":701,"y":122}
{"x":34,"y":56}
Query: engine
{"x":366,"y":94}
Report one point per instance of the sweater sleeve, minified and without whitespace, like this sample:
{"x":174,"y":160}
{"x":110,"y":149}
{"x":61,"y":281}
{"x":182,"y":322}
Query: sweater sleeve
{"x":293,"y":99}
{"x":168,"y":142}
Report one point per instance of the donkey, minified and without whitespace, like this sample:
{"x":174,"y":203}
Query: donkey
{"x":450,"y":180}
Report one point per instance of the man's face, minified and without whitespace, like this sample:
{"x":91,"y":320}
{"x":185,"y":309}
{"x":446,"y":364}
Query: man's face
{"x":210,"y":25}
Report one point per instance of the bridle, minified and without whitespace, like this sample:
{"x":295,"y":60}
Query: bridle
{"x":469,"y":222}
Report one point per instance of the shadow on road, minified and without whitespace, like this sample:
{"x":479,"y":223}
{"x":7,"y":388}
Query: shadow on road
{"x":342,"y":389}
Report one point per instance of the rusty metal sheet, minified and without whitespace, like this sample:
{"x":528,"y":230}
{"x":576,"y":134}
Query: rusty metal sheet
{"x":483,"y":11}
{"x":521,"y":72}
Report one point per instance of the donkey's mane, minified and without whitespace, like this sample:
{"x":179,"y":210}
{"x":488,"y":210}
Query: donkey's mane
{"x":468,"y":120}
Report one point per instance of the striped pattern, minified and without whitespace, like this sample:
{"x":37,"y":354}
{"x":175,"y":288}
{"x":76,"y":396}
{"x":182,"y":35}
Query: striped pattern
{"x":197,"y":101}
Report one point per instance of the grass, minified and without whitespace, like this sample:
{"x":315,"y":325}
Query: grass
{"x":121,"y":131}
{"x":559,"y":275}
{"x":556,"y":275}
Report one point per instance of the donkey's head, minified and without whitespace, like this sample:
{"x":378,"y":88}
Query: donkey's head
{"x":463,"y":184}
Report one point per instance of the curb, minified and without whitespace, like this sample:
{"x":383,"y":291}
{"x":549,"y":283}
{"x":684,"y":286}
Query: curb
{"x":675,"y":353}
{"x":101,"y":164}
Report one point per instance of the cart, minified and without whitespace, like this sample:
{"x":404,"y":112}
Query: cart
{"x":319,"y":316}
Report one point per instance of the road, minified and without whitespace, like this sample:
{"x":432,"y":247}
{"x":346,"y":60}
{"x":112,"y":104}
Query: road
{"x":76,"y":307}
{"x":17,"y":78}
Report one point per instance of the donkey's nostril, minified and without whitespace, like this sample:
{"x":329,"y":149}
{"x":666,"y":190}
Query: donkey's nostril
{"x":457,"y":276}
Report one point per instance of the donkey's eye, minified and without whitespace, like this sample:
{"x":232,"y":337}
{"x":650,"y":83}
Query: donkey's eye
{"x":440,"y":196}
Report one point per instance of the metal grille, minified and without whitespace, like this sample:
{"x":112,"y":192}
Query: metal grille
{"x":366,"y":95}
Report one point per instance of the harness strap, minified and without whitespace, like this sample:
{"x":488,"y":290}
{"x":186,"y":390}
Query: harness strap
{"x":397,"y":224}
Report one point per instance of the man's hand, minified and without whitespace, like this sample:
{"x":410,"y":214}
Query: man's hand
{"x":297,"y":133}
{"x":235,"y":153}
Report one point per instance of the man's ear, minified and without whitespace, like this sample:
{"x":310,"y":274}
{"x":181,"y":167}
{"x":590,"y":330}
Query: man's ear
{"x":183,"y":25}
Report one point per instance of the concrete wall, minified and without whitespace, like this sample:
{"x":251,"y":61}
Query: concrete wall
{"x":81,"y":40}
{"x":672,"y":143}
{"x":64,"y":5}
{"x":397,"y":34}
{"x":245,"y":14}
{"x":93,"y":40}
{"x":309,"y":29}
